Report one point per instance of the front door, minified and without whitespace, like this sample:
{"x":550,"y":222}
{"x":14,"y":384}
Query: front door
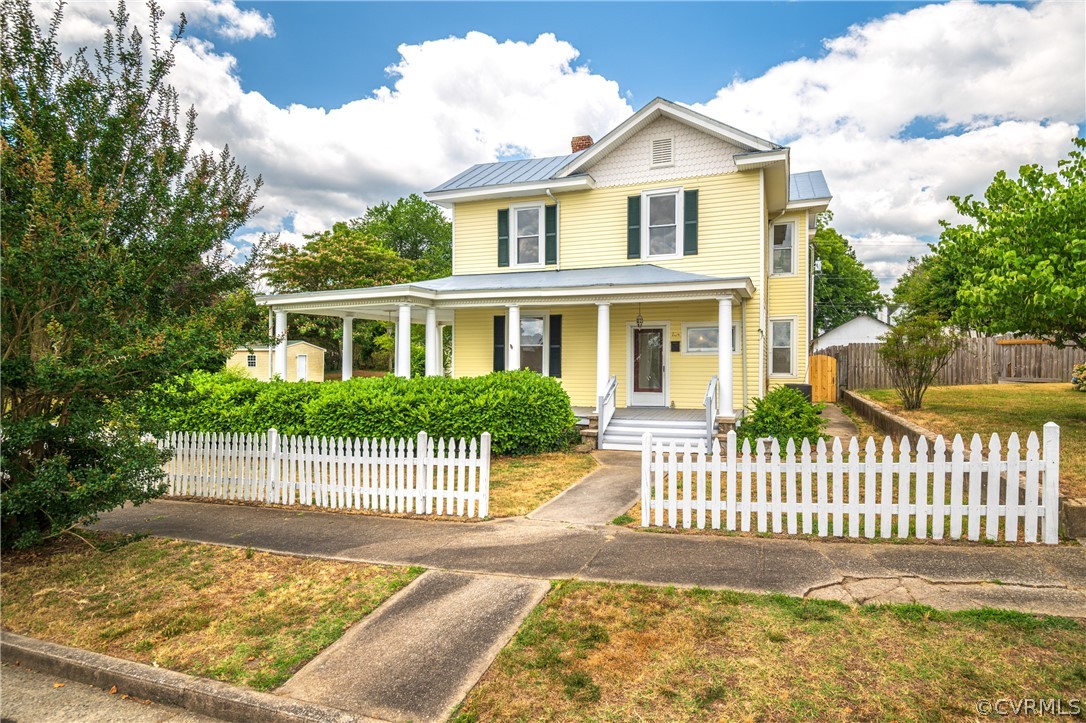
{"x":648,"y":348}
{"x":303,"y":367}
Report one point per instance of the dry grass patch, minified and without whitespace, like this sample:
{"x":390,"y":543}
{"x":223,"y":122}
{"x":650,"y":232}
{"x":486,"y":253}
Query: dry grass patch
{"x":1005,"y":408}
{"x":520,"y":484}
{"x":239,"y":616}
{"x":626,"y":652}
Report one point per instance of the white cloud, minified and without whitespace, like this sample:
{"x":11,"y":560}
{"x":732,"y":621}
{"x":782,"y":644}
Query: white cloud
{"x":1003,"y":85}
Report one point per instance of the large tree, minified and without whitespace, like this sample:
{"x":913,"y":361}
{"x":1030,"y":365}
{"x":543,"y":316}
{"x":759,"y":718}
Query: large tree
{"x":928,"y":288}
{"x":843,"y":287}
{"x":116,"y":269}
{"x":415,"y":229}
{"x":1022,"y":261}
{"x":409,"y":240}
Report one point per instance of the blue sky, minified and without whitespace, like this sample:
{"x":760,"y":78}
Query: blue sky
{"x":682,"y":51}
{"x":340,"y":105}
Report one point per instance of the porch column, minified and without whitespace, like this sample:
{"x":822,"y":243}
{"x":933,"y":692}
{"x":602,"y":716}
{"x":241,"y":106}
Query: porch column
{"x":603,"y":348}
{"x":432,"y":358}
{"x":441,"y":349}
{"x":724,"y":357}
{"x":403,"y":342}
{"x":513,"y":362}
{"x":347,"y":364}
{"x":280,"y":362}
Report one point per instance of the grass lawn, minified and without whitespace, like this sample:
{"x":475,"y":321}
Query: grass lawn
{"x":1006,"y":408}
{"x":239,"y":616}
{"x":626,"y":652}
{"x":520,"y":484}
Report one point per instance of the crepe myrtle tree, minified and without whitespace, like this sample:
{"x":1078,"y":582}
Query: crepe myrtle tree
{"x":116,"y":267}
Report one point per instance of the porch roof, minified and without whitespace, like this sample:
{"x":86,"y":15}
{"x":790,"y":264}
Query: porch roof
{"x":635,"y":283}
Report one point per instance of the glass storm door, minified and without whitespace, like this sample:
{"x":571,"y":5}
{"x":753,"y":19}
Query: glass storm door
{"x":648,"y":367}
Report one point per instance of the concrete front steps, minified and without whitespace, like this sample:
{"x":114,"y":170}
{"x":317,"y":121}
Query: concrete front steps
{"x":627,"y":433}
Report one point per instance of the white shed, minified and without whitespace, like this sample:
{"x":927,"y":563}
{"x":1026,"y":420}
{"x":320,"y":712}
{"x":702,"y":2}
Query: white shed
{"x":861,"y":330}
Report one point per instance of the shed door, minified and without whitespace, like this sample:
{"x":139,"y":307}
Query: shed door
{"x":303,"y":367}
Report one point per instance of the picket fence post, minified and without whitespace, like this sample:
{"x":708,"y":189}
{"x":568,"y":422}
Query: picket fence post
{"x":271,"y":492}
{"x":1051,"y":488}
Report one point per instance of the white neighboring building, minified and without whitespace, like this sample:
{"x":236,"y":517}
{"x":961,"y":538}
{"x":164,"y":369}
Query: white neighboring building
{"x":861,"y":330}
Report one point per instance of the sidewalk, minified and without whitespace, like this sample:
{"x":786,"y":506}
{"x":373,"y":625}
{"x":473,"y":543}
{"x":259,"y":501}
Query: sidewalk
{"x":1041,"y":579}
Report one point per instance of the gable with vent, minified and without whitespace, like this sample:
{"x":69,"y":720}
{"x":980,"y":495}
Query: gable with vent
{"x":665,"y":149}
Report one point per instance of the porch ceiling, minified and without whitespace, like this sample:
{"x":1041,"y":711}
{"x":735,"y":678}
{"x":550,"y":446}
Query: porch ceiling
{"x":617,"y":284}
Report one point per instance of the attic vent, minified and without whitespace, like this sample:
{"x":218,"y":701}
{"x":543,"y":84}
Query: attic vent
{"x":661,"y":152}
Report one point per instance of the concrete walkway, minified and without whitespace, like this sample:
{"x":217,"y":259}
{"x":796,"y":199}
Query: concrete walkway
{"x":1037,"y":578}
{"x":838,"y":424}
{"x":601,"y":496}
{"x":420,"y":653}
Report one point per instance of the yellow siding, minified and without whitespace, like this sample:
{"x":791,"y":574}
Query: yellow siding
{"x":788,"y":298}
{"x":592,"y":228}
{"x":689,"y":374}
{"x":314,"y":365}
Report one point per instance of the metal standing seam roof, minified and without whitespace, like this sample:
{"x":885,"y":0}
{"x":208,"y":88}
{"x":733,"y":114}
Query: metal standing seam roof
{"x":606,"y":276}
{"x":503,"y":173}
{"x":808,"y":186}
{"x":801,"y":186}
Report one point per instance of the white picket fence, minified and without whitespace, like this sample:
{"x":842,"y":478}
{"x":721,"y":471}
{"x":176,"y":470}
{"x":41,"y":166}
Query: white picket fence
{"x":393,"y":475}
{"x":825,"y":490}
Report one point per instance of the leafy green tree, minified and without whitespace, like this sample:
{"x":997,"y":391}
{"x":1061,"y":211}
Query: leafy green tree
{"x":415,"y":229}
{"x":409,"y":240}
{"x":1023,"y":259}
{"x":116,"y":273}
{"x":843,"y":287}
{"x":915,"y":350}
{"x":929,"y":287}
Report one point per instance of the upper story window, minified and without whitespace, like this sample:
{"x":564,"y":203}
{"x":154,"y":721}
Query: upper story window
{"x":527,"y":235}
{"x":662,"y":223}
{"x":783,"y":248}
{"x":250,"y":360}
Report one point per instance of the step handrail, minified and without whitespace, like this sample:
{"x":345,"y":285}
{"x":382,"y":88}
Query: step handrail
{"x":710,"y":410}
{"x":606,"y":408}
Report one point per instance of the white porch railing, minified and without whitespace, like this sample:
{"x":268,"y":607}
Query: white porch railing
{"x":824,"y":491}
{"x":711,"y":393}
{"x":393,"y":475}
{"x":606,"y":408}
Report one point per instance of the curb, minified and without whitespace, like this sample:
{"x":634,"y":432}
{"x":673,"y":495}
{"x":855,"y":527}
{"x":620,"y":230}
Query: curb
{"x":198,"y":695}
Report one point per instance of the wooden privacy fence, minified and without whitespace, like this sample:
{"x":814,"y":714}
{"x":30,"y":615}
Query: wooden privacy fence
{"x":935,"y":491}
{"x":394,"y":475}
{"x":983,"y":360}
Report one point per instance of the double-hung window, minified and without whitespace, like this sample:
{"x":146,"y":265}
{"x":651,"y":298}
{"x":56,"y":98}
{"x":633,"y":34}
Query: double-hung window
{"x":782,"y":343}
{"x":533,"y":348}
{"x":783,"y":248}
{"x":662,"y":223}
{"x":527,"y":235}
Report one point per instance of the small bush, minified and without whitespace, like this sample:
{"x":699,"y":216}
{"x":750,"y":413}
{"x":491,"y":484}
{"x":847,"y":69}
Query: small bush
{"x":524,"y":412}
{"x":1078,"y":378}
{"x":783,"y":413}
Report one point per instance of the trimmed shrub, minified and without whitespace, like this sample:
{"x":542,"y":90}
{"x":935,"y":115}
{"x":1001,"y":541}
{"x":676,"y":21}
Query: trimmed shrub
{"x":783,"y":413}
{"x":1078,"y":377}
{"x":524,"y":412}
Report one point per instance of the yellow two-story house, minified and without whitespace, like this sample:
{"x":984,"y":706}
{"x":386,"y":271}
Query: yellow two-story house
{"x":660,"y":273}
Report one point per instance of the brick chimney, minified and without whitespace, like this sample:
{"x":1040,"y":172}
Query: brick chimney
{"x":579,"y":143}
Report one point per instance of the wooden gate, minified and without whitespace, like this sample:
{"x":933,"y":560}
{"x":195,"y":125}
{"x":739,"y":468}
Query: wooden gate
{"x":823,"y":373}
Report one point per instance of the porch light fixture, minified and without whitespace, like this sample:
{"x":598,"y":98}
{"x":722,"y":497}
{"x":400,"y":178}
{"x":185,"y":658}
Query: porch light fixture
{"x":640,"y":319}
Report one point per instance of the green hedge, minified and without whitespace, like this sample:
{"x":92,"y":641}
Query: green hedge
{"x":524,"y":412}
